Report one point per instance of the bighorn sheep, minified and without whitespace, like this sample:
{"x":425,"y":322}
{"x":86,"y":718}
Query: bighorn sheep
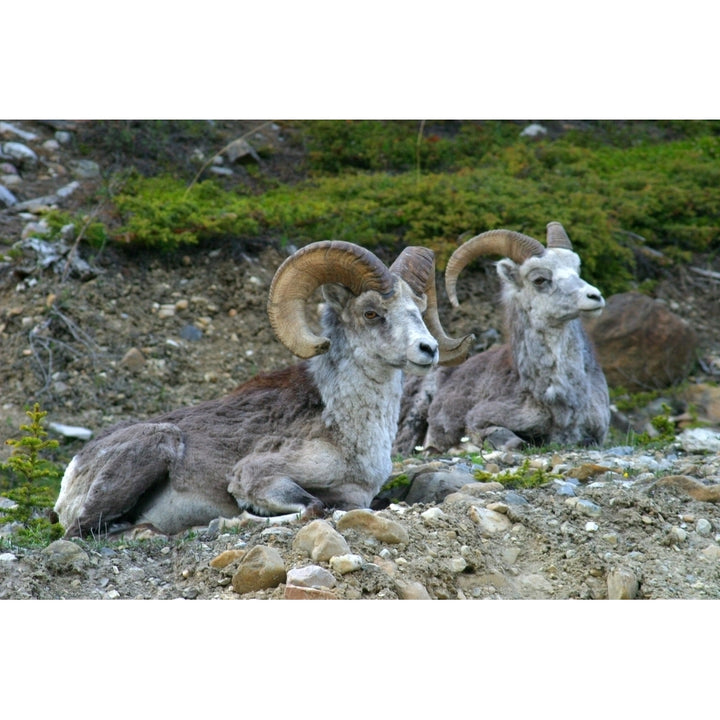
{"x":293,"y":441}
{"x":544,"y":385}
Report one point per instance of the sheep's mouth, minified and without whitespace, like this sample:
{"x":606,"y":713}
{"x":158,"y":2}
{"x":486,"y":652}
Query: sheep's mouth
{"x":418,"y":368}
{"x":592,"y":312}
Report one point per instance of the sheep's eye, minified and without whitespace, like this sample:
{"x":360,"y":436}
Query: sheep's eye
{"x":540,"y":281}
{"x":371,"y":315}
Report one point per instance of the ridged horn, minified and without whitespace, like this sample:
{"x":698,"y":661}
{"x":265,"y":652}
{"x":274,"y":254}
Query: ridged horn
{"x":557,"y":237}
{"x":508,"y":243}
{"x":416,"y":266}
{"x":306,"y":270}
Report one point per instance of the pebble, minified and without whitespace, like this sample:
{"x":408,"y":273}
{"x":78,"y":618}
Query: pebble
{"x":320,"y":541}
{"x":63,"y":555}
{"x":622,"y":584}
{"x":311,"y":576}
{"x":368,"y":522}
{"x":700,"y":440}
{"x":261,"y":568}
{"x":346,"y":563}
{"x":20,"y":153}
{"x":133,"y":360}
{"x":6,"y":197}
{"x":412,"y":591}
{"x":703,"y":527}
{"x":489,"y":522}
{"x":432,"y":514}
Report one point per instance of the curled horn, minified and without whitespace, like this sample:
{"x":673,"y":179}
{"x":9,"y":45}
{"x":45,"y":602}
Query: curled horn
{"x":557,"y":237}
{"x":305,"y":271}
{"x":416,"y":266}
{"x":514,"y":245}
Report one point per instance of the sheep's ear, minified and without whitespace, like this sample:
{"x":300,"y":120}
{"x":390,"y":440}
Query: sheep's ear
{"x":509,"y":271}
{"x":336,"y":295}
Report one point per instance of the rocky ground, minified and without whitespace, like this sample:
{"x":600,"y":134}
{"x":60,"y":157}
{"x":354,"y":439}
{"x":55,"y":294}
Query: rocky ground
{"x":97,"y":338}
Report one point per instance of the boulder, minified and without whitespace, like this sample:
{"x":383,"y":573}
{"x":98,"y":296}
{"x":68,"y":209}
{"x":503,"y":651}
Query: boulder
{"x":641,"y":344}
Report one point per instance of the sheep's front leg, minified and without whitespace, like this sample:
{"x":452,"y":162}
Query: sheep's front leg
{"x":294,"y":481}
{"x":262,"y":485}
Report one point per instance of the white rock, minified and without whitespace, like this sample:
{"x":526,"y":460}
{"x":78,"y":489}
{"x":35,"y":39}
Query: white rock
{"x":6,"y":197}
{"x":346,"y":563}
{"x":703,"y":527}
{"x":533,"y":130}
{"x":433,"y":513}
{"x":310,"y":576}
{"x":20,"y":153}
{"x":7,"y":128}
{"x":699,"y":440}
{"x":71,"y":431}
{"x":457,"y":564}
{"x":489,"y":521}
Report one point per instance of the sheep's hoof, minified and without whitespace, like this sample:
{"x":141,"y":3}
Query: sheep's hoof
{"x":313,"y":511}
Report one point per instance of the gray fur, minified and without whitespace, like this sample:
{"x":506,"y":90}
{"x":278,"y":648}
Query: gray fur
{"x":543,"y":386}
{"x":316,"y":434}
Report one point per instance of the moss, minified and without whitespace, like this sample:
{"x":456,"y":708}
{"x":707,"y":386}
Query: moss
{"x":390,"y":184}
{"x":523,"y":477}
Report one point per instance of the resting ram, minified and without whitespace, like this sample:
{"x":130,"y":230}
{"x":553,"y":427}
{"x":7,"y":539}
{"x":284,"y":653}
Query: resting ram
{"x":293,"y":441}
{"x":544,"y":385}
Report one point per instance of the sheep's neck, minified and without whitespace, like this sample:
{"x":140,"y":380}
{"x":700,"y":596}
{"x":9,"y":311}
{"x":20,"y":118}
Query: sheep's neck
{"x":550,"y":360}
{"x":361,"y":404}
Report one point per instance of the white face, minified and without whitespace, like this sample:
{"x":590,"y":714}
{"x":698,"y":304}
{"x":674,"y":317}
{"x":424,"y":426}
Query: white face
{"x":551,"y":286}
{"x":387,"y":331}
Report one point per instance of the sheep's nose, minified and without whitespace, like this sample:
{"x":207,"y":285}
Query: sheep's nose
{"x":429,"y":349}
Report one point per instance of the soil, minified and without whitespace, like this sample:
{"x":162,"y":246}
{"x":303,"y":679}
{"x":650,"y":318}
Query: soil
{"x":142,"y":333}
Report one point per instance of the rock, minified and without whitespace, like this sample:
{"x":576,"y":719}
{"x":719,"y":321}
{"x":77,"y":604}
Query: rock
{"x":7,"y":129}
{"x":699,"y":440}
{"x":7,"y":557}
{"x":19,"y":153}
{"x":712,"y":552}
{"x":489,"y":521}
{"x":7,"y":199}
{"x":85,"y":168}
{"x":261,"y":568}
{"x":703,"y":527}
{"x":133,"y":360}
{"x":433,"y":487}
{"x":65,"y":555}
{"x":412,"y":591}
{"x":296,"y":592}
{"x":312,"y":576}
{"x":641,"y":344}
{"x":227,"y":558}
{"x":432,"y":514}
{"x":622,"y":584}
{"x":368,"y":522}
{"x":320,"y":541}
{"x":191,"y":333}
{"x":241,"y":150}
{"x":346,"y":563}
{"x":705,"y":399}
{"x":71,"y":431}
{"x":534,"y":130}
{"x":56,"y":255}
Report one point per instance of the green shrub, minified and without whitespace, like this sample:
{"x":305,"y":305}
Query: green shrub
{"x":32,"y":484}
{"x":393,"y":184}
